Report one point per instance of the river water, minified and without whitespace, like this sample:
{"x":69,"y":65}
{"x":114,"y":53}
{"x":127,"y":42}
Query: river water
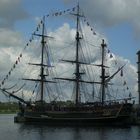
{"x":13,"y":131}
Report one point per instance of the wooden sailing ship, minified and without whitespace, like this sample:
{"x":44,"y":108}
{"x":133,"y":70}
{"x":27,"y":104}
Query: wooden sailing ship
{"x":78,"y":112}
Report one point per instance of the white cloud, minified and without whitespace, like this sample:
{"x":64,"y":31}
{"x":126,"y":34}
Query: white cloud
{"x":66,"y":50}
{"x":10,"y":38}
{"x":130,"y":75}
{"x":111,"y":12}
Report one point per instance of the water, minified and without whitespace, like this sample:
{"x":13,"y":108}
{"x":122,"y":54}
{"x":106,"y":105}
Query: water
{"x":13,"y":131}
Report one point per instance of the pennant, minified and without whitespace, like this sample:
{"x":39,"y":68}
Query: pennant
{"x":32,"y":37}
{"x":130,"y":95}
{"x":19,"y":59}
{"x":56,"y":14}
{"x":16,"y":62}
{"x":33,"y":92}
{"x":41,"y":22}
{"x":68,"y":9}
{"x":124,"y":83}
{"x":111,"y":55}
{"x":37,"y":29}
{"x":9,"y":73}
{"x":38,"y":25}
{"x":73,"y":9}
{"x":14,"y":66}
{"x":121,"y":72}
{"x":2,"y":82}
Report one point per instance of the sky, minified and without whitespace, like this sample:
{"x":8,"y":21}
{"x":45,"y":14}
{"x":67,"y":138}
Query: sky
{"x":117,"y":21}
{"x":121,"y":27}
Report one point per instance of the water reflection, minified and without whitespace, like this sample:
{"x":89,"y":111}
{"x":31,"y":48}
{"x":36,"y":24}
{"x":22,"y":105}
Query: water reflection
{"x":14,"y":131}
{"x":42,"y":132}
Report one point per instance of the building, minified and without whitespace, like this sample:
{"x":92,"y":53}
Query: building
{"x":138,"y":53}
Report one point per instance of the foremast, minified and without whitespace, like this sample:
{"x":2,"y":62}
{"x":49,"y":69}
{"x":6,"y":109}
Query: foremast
{"x":42,"y":60}
{"x":42,"y":79}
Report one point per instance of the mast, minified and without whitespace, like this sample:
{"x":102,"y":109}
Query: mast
{"x":42,"y":79}
{"x":42,"y":61}
{"x":77,"y":79}
{"x":77,"y":73}
{"x":103,"y":77}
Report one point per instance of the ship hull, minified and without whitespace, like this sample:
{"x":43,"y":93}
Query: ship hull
{"x":121,"y":120}
{"x":115,"y":116}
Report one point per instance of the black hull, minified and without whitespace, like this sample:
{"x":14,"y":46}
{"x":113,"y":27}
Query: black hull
{"x":110,"y":115}
{"x":79,"y":122}
{"x":109,"y":121}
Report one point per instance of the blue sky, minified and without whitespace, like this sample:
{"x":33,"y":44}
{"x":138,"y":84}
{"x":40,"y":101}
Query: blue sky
{"x":122,"y":41}
{"x":121,"y":38}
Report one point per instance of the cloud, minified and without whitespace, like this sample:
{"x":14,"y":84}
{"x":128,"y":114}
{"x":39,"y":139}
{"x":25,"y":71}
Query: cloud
{"x":129,"y":75}
{"x":109,"y":13}
{"x":10,"y":38}
{"x":63,"y":47}
{"x":11,"y":41}
{"x":93,"y":43}
{"x":10,"y":12}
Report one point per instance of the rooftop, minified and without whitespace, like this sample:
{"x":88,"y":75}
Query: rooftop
{"x":138,"y":52}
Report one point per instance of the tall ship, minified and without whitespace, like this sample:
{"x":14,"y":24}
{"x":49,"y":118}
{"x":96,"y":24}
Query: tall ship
{"x":99,"y":108}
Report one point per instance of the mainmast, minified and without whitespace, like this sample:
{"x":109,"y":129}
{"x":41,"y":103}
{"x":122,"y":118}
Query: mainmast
{"x":77,"y":79}
{"x":77,"y":73}
{"x":103,"y":77}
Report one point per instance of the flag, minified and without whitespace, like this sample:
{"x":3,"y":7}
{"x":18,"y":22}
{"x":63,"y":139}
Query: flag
{"x":121,"y":72}
{"x":130,"y":95}
{"x":111,"y":55}
{"x":124,"y":83}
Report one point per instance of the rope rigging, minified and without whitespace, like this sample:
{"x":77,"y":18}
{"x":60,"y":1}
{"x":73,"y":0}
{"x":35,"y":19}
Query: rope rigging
{"x":85,"y":56}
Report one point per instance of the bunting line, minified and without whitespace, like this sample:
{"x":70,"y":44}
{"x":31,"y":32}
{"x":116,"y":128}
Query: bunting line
{"x":60,"y":13}
{"x":91,"y":28}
